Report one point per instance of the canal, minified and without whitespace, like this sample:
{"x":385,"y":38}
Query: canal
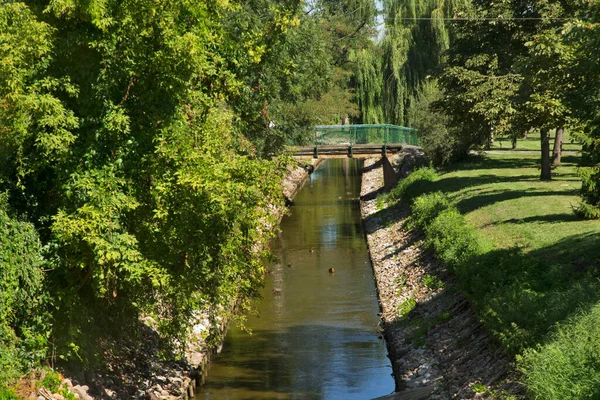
{"x":315,"y":333}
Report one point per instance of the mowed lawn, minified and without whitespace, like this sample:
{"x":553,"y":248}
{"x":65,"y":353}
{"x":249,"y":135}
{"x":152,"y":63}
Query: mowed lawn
{"x":504,"y":199}
{"x":532,"y":143}
{"x":541,"y":263}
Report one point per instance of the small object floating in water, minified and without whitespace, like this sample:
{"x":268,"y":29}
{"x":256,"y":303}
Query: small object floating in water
{"x":311,"y":250}
{"x":276,"y":292}
{"x":331,"y":270}
{"x":289,"y":265}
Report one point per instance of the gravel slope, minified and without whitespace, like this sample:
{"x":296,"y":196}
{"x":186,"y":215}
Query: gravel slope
{"x":437,"y":346}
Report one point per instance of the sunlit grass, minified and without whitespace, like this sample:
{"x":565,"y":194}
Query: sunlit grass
{"x":531,"y":263}
{"x":532,"y":143}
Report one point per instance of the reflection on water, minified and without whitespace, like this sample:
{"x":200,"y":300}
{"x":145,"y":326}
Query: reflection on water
{"x":317,"y":337}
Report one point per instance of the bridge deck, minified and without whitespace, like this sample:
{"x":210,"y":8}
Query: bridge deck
{"x":345,"y":150}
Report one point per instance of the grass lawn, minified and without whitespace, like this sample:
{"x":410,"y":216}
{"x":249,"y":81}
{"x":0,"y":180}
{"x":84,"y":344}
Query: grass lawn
{"x":532,"y":143}
{"x":541,"y":264}
{"x":530,"y":267}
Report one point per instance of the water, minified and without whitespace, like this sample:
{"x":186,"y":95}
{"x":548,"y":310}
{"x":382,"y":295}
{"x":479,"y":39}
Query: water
{"x":315,"y":335}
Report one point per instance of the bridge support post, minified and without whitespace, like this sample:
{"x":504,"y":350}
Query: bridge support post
{"x":389,"y":175}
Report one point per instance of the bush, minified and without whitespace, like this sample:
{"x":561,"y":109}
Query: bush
{"x":452,"y":239}
{"x":427,"y":207}
{"x":413,"y":185}
{"x":432,"y":124}
{"x":568,"y":366}
{"x":7,"y":394}
{"x":23,"y":324}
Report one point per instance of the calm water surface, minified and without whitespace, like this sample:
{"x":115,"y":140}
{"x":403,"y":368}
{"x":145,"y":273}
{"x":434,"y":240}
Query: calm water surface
{"x":316,"y":338}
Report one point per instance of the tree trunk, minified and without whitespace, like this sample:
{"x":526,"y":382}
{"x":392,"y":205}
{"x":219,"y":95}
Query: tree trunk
{"x":490,"y":141}
{"x":546,"y":169}
{"x":558,"y":145}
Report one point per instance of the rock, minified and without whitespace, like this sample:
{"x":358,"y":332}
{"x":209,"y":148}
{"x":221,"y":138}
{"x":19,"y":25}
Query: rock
{"x":82,"y":392}
{"x":176,"y":380}
{"x":67,"y":383}
{"x":41,"y":398}
{"x":153,"y":396}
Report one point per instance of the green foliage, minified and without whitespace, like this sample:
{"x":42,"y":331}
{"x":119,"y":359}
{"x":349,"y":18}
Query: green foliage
{"x":432,"y":283}
{"x":7,"y":394}
{"x":584,"y":100}
{"x":369,"y":88}
{"x":406,"y":307}
{"x":130,"y":139}
{"x":51,"y":381}
{"x":412,"y":50}
{"x":24,"y":323}
{"x":435,"y":137}
{"x":427,"y":207}
{"x":568,"y":365}
{"x":453,"y":240}
{"x":412,"y":186}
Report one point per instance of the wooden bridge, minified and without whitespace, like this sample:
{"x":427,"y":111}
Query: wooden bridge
{"x":360,"y":141}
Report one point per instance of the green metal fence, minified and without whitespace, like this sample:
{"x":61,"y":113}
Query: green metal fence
{"x":364,"y":134}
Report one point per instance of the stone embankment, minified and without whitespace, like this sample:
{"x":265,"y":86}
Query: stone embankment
{"x":437,"y":346}
{"x":139,"y":371}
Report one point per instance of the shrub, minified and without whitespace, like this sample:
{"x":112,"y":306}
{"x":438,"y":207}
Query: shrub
{"x":413,"y":185}
{"x":52,"y":381}
{"x":7,"y":394}
{"x":452,"y":239}
{"x":427,"y":207}
{"x":23,"y":324}
{"x":568,"y":365}
{"x":432,"y":124}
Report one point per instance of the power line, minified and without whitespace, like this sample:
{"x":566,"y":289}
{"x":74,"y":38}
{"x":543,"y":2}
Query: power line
{"x":477,"y":19}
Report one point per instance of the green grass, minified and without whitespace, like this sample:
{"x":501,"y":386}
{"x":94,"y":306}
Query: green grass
{"x":537,"y":265}
{"x":532,"y":143}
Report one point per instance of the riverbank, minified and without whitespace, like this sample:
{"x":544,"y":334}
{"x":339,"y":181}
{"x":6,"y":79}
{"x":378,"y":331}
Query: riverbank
{"x":139,"y":370}
{"x":437,"y":346}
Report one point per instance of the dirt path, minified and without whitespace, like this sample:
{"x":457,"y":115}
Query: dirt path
{"x":437,"y":346}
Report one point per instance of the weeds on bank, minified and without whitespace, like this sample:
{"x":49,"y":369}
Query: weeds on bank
{"x":7,"y":394}
{"x":523,"y":259}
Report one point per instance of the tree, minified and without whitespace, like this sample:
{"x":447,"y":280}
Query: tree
{"x":583,"y":99}
{"x":124,"y":143}
{"x":412,"y":49}
{"x":510,"y":73}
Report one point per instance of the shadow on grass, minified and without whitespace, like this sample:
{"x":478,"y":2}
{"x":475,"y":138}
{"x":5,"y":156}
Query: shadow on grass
{"x":552,"y":218}
{"x":520,"y":296}
{"x":483,"y":200}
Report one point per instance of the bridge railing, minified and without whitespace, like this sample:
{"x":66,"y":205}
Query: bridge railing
{"x":364,"y":134}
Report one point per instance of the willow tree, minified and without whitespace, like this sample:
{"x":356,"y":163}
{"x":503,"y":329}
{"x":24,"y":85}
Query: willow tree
{"x":416,"y":35}
{"x":369,"y":85}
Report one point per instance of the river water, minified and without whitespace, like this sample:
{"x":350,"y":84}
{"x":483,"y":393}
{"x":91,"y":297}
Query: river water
{"x":315,"y":335}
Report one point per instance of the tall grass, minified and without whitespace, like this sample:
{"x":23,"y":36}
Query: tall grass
{"x":567,"y":367}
